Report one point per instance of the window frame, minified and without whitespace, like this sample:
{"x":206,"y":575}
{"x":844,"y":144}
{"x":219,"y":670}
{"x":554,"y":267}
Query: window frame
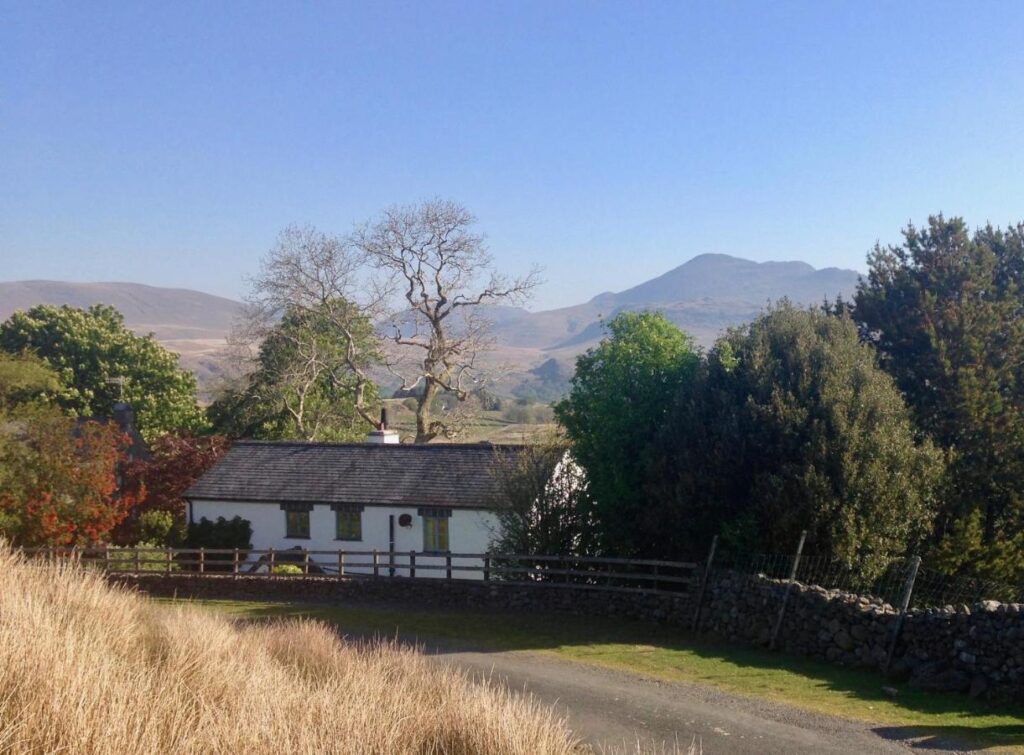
{"x":303,"y":511}
{"x":342,"y":510}
{"x":435,"y":527}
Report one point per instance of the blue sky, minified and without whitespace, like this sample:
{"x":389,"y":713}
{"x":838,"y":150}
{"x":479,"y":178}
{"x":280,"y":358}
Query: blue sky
{"x":168,"y":143}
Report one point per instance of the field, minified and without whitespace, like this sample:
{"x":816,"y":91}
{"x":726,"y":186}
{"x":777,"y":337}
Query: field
{"x":495,"y":426}
{"x":668,"y":654}
{"x":87,"y":668}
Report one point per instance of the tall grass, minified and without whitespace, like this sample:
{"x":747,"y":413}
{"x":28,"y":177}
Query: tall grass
{"x":89,"y":668}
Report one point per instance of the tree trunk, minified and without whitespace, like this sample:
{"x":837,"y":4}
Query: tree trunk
{"x":424,"y":432}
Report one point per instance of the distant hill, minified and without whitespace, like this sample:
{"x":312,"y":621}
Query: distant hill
{"x":194,"y":324}
{"x":535,"y":350}
{"x":703,"y":296}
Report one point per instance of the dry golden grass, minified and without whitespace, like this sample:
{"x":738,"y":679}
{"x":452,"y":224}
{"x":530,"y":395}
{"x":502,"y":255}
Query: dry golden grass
{"x":87,"y":668}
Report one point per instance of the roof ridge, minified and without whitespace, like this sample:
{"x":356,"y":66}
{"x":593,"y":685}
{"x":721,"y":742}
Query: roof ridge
{"x":355,"y":444}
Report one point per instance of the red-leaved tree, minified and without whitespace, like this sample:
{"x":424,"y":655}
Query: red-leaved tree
{"x":160,"y":481}
{"x":61,"y":485}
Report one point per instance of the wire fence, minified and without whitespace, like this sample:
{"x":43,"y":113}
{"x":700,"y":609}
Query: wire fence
{"x":931,"y":588}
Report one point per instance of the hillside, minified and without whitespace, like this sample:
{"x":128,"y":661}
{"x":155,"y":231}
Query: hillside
{"x":534,"y":349}
{"x":704,"y":296}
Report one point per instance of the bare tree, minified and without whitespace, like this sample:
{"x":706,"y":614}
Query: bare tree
{"x":312,"y":295}
{"x":442,"y":273}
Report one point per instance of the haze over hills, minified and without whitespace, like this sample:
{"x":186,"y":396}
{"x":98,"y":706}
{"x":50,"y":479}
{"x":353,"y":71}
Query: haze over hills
{"x":703,"y":296}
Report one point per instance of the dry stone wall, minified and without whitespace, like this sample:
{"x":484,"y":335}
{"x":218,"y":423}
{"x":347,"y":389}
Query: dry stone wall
{"x":976,"y":649}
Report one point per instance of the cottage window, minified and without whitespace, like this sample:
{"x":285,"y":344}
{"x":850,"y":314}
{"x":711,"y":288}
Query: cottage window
{"x":435,"y":529}
{"x":296,"y":520}
{"x":348,"y":522}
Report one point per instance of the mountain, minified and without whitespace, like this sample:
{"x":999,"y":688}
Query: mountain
{"x":703,"y":296}
{"x":535,"y":350}
{"x":194,"y":324}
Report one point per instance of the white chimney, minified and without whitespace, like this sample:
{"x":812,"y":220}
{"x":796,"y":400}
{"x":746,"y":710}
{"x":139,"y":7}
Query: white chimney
{"x":384,"y":435}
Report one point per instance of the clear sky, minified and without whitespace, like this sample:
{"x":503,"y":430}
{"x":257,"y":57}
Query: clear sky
{"x":168,"y":143}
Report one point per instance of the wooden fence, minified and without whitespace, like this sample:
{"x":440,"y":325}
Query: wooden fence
{"x":587,"y":573}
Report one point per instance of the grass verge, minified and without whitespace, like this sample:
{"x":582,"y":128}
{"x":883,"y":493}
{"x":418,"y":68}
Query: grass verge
{"x":670,"y":655}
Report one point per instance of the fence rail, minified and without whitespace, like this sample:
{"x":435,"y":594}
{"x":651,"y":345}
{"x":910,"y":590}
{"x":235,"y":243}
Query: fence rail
{"x":588,"y":573}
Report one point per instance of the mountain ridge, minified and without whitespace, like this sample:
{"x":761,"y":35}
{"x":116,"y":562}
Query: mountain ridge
{"x":703,"y":295}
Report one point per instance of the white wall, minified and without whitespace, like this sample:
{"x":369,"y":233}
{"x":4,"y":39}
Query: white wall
{"x":469,"y":531}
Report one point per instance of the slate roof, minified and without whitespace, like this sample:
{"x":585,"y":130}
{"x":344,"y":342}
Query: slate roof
{"x":449,"y":475}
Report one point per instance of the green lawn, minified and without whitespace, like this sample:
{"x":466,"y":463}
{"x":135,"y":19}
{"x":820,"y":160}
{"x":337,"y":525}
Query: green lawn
{"x":672,"y":655}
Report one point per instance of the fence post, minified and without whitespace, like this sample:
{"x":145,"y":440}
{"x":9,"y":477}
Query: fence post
{"x":908,"y":589}
{"x":412,"y":564}
{"x":305,"y":563}
{"x":136,"y":549}
{"x":789,"y":587}
{"x":202,"y":560}
{"x":704,"y":583}
{"x":448,"y":565}
{"x":270,"y":562}
{"x":234,"y":565}
{"x":341,"y":564}
{"x":106,"y":558}
{"x":376,"y":564}
{"x":167,"y":562}
{"x":487,"y":568}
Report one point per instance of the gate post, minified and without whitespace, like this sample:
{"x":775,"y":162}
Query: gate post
{"x":908,"y":589}
{"x":704,"y":583}
{"x":789,"y":587}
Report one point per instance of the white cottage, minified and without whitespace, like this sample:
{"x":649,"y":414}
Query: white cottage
{"x":434,"y":499}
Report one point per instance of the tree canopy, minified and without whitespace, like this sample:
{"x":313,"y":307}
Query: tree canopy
{"x":791,"y":426}
{"x":946,"y":311}
{"x":303,"y":385}
{"x":90,"y":348}
{"x":621,"y":395}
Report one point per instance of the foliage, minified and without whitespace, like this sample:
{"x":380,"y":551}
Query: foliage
{"x":792,"y":426}
{"x":60,"y":480}
{"x":147,"y":559}
{"x":310,"y":315}
{"x":621,"y":395}
{"x":541,"y":505}
{"x":946,"y":311}
{"x":303,"y":385}
{"x":88,"y":348}
{"x":25,"y":379}
{"x":287,"y":569}
{"x":222,"y":533}
{"x":157,"y":528}
{"x":176,"y":461}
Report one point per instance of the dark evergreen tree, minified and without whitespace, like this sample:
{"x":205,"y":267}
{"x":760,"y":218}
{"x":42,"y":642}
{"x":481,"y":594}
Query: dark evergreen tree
{"x":791,"y":425}
{"x":946,"y":311}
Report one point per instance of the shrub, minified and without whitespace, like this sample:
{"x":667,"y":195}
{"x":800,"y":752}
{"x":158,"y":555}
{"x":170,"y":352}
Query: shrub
{"x":287,"y":569}
{"x":156,"y":527}
{"x":221,"y":534}
{"x":124,"y":559}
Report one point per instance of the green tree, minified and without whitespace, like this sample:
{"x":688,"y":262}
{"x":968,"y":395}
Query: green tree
{"x":24,"y":379}
{"x":621,"y":395}
{"x":946,"y":311}
{"x":791,"y":426}
{"x":303,"y":385}
{"x":88,"y":348}
{"x":541,"y":505}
